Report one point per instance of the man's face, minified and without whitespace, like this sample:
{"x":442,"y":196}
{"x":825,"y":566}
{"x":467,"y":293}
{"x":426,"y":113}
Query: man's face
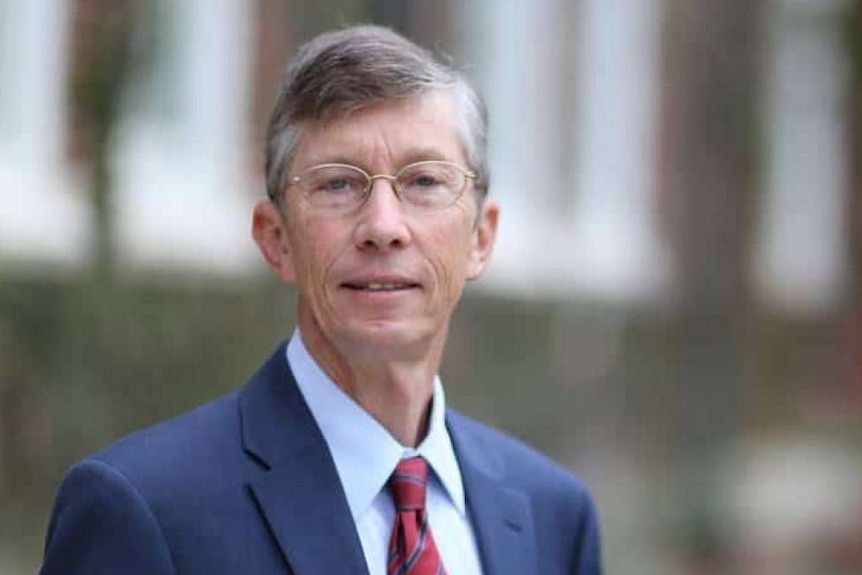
{"x":382,"y":280}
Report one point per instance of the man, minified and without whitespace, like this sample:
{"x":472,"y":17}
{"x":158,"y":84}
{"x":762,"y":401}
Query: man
{"x":339,"y":456}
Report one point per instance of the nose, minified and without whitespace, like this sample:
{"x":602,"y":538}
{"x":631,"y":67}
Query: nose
{"x":382,"y":223}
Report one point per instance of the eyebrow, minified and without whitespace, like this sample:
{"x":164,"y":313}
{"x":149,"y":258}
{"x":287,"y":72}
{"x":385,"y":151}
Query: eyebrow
{"x":411,"y":156}
{"x":421,"y":154}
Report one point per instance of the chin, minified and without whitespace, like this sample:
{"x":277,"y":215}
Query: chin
{"x":390,"y":339}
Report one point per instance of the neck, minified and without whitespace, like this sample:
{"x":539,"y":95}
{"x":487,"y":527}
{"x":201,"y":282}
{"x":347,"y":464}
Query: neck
{"x":397,"y":392}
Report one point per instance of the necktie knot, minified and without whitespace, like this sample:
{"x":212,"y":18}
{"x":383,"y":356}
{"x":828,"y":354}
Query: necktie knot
{"x":408,"y":483}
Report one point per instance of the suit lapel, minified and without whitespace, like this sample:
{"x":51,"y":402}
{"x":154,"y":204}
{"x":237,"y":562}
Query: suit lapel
{"x":500,"y":515}
{"x":310,"y":519}
{"x":299,"y":494}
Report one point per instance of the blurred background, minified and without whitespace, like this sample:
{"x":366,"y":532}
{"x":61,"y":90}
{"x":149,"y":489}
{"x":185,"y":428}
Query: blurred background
{"x":675,"y":306}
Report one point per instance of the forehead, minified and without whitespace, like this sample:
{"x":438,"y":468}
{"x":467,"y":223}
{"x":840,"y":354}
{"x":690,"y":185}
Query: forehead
{"x":386,"y":135}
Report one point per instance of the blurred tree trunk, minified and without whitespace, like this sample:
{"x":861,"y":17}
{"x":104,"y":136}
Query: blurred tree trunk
{"x":102,"y":61}
{"x":707,"y":182}
{"x":707,"y":179}
{"x":854,"y":339}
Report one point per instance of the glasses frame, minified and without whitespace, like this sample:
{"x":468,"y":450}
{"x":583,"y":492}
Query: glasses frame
{"x":393,"y":178}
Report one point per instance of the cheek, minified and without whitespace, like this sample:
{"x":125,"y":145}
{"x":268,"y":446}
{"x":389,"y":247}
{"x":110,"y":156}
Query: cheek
{"x":314,"y":251}
{"x":450,"y":260}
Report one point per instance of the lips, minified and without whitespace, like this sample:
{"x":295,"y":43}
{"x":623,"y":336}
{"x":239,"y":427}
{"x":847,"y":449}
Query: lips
{"x":380,"y":284}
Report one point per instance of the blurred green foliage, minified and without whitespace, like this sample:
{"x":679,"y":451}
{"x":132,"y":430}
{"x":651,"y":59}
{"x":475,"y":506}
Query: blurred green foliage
{"x":83,"y":363}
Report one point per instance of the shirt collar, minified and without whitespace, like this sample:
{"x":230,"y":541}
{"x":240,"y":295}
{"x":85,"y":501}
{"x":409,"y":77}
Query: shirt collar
{"x":364,"y":452}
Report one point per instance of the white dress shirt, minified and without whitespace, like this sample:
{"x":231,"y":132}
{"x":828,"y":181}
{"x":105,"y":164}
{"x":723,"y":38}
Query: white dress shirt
{"x":365,"y":455}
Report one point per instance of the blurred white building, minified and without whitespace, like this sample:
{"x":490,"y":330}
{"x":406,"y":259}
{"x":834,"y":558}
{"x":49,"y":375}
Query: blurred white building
{"x":45,"y":214}
{"x":801,"y":260}
{"x":573,"y":91}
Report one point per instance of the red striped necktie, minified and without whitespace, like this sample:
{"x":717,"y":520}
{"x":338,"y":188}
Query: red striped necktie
{"x":411,"y":549}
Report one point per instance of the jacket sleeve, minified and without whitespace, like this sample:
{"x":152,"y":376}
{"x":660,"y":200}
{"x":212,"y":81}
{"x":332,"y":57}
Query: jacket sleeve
{"x":588,"y":556}
{"x":102,"y":525}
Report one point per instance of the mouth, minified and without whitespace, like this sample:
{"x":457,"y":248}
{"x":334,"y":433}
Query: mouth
{"x":373,"y":286}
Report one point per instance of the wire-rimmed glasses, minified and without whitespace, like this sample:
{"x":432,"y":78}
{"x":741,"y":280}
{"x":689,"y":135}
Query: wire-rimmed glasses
{"x":425,"y":186}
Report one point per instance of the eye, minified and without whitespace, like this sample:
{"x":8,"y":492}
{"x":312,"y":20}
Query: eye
{"x":335,"y":181}
{"x":336,"y":184}
{"x":424,"y":179}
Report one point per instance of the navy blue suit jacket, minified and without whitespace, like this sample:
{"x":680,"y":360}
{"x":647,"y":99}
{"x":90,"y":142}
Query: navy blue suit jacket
{"x":246,"y":485}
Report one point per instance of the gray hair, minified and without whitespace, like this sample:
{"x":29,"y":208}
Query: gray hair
{"x":340,"y":72}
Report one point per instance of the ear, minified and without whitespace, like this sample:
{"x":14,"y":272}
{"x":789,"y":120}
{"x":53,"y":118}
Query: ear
{"x":484,"y":237}
{"x":269,"y":230}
